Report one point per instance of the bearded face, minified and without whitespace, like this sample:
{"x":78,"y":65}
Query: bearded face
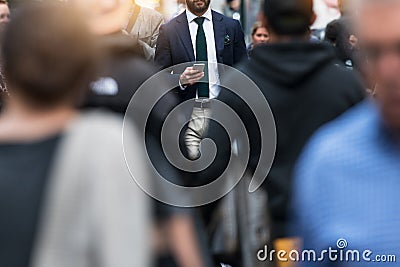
{"x":198,"y":7}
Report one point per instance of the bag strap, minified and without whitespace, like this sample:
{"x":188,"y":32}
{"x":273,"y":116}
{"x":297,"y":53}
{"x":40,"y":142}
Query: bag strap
{"x":133,"y":18}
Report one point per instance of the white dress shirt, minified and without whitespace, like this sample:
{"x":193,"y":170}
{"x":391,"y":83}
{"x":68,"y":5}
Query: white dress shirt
{"x":208,"y":27}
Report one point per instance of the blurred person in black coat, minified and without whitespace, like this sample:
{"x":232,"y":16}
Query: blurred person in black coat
{"x":305,"y":86}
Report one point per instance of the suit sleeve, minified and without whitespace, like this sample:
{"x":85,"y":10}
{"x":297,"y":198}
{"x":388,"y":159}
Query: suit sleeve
{"x":163,"y":57}
{"x":163,"y":61}
{"x":240,"y":51}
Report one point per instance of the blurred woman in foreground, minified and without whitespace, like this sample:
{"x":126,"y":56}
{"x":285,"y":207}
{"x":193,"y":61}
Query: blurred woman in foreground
{"x":66,"y":196}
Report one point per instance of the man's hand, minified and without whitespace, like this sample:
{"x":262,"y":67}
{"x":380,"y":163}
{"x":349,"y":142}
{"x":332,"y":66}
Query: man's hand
{"x":190,"y":76}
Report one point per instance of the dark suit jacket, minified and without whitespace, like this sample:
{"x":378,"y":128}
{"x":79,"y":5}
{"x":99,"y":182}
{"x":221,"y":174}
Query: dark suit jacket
{"x":174,"y":46}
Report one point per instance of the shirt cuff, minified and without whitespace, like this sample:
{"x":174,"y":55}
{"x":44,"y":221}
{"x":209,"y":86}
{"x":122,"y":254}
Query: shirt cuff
{"x":182,"y":87}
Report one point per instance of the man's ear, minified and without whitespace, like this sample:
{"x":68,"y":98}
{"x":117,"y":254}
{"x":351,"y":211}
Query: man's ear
{"x":313,"y":18}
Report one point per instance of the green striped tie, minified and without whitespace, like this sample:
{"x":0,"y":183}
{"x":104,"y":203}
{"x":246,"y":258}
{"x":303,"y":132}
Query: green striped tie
{"x":201,"y":55}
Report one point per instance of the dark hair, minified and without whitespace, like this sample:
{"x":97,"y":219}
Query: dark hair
{"x":288,"y":17}
{"x":3,"y":2}
{"x":338,"y":33}
{"x":48,"y":54}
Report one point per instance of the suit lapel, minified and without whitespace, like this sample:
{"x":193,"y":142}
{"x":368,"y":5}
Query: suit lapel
{"x":219,"y":34}
{"x":182,"y":28}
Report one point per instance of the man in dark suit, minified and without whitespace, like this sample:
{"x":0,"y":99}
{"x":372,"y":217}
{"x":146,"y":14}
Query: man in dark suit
{"x":177,"y":41}
{"x":199,"y":35}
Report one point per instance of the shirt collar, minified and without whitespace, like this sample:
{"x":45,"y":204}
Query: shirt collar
{"x":190,"y":16}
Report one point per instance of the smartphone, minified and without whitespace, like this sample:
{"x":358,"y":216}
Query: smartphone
{"x":199,"y":66}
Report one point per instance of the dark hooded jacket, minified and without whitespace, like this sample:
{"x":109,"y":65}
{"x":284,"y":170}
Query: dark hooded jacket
{"x":121,"y":72}
{"x":306,"y":87}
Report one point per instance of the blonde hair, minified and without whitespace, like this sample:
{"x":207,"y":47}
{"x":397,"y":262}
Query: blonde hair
{"x":256,"y":26}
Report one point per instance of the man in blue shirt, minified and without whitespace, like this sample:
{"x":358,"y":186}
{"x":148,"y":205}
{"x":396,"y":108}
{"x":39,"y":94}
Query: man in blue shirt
{"x":347,"y":182}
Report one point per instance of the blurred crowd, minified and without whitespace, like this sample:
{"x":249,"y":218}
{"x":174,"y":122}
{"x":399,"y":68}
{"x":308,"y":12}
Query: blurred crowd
{"x":77,"y":80}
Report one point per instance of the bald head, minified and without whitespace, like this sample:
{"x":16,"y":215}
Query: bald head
{"x":104,"y":16}
{"x":378,"y":17}
{"x":377,"y":26}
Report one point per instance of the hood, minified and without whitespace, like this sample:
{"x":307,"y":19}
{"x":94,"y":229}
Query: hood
{"x":290,"y":64}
